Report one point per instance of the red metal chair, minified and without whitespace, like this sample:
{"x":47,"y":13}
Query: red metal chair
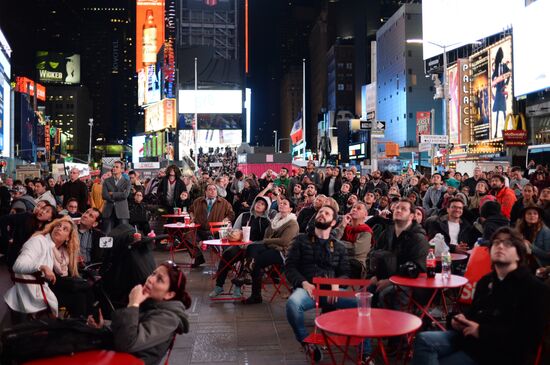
{"x":356,"y":285}
{"x":90,"y":358}
{"x":275,"y":276}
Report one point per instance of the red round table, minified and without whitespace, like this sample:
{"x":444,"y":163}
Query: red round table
{"x":175,"y":217}
{"x":379,"y":324}
{"x":186,"y":234}
{"x":438,"y":284}
{"x":96,"y":357}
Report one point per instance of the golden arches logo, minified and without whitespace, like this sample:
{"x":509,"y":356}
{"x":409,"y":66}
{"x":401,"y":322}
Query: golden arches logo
{"x":516,"y":118}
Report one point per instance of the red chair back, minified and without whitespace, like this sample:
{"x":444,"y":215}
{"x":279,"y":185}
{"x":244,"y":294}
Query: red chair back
{"x":478,"y":266}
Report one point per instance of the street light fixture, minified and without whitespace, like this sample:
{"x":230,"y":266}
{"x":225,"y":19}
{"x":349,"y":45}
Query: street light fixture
{"x":91,"y":124}
{"x":446,"y":121}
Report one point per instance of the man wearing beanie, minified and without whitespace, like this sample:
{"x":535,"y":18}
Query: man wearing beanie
{"x":490,"y":219}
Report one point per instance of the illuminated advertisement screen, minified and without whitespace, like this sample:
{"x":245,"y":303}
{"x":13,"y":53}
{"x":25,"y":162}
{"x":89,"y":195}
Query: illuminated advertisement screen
{"x":211,"y":121}
{"x":208,"y":138}
{"x":5,"y":74}
{"x":500,"y":68}
{"x":160,"y":115}
{"x":149,"y":81}
{"x":149,"y":31}
{"x":454,"y":104}
{"x":531,"y":66}
{"x":56,"y":67}
{"x":210,"y":101}
{"x":447,"y":22}
{"x":209,"y":4}
{"x":480,"y":95}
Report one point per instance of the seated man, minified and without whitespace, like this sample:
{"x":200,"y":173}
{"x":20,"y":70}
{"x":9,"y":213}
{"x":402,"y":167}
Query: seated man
{"x":507,"y":318}
{"x":459,"y":235}
{"x":406,"y":239}
{"x":89,"y":236}
{"x":314,"y":254}
{"x":357,"y":238}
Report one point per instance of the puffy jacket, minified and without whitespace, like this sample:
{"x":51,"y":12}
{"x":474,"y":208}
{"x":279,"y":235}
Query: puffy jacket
{"x":309,"y":257}
{"x":411,"y":245}
{"x":506,"y":197}
{"x":258,"y":224}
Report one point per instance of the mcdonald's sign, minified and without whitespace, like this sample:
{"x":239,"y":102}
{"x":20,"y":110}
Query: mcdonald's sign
{"x":515,"y":136}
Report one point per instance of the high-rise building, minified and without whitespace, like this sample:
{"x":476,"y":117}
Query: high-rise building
{"x":402,"y":89}
{"x":291,"y":101}
{"x":108,"y":68}
{"x":340,"y":78}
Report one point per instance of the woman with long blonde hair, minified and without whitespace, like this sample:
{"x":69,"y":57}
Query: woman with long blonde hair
{"x":50,"y":253}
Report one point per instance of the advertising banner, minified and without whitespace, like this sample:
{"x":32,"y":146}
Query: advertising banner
{"x":208,"y":138}
{"x":160,"y":115}
{"x":28,"y":147}
{"x":453,"y":76}
{"x":517,"y":134}
{"x":57,"y":67}
{"x":211,"y":101}
{"x":149,"y":31}
{"x":500,"y":56}
{"x":464,"y":92}
{"x":423,"y":125}
{"x":27,"y":86}
{"x":479,"y":100}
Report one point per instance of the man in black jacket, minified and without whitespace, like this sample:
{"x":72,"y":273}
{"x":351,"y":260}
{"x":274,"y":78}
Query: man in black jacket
{"x":313,"y":255}
{"x":89,"y":236}
{"x":406,"y":239}
{"x":506,"y":321}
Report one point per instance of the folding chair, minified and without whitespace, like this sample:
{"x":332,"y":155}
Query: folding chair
{"x":356,"y":285}
{"x":273,"y":274}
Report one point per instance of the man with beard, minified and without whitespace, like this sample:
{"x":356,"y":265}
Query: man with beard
{"x":350,"y":203}
{"x":297,"y":197}
{"x":314,"y":254}
{"x":342,"y":196}
{"x":309,"y":196}
{"x":377,"y":183}
{"x":471,"y":182}
{"x":506,"y":321}
{"x":310,"y":172}
{"x":307,"y":213}
{"x":505,"y":196}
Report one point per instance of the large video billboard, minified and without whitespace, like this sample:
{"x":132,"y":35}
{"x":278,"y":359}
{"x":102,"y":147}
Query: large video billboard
{"x":211,"y":101}
{"x":208,"y":138}
{"x":480,"y":95}
{"x":149,"y":31}
{"x":149,"y":85}
{"x":531,"y":66}
{"x":5,"y":72}
{"x":500,"y":58}
{"x":57,"y":67}
{"x":160,"y":115}
{"x":453,"y":111}
{"x":453,"y":23}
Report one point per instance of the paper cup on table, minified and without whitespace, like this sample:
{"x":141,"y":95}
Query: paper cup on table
{"x":246,"y":233}
{"x":363,"y":303}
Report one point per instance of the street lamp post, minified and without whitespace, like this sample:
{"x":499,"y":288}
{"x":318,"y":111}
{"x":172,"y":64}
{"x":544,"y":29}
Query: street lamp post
{"x":91,"y":124}
{"x":275,"y":145}
{"x":444,"y":82}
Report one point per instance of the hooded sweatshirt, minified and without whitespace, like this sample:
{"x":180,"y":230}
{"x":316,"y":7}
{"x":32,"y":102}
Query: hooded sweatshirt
{"x":147,"y":331}
{"x":258,"y":224}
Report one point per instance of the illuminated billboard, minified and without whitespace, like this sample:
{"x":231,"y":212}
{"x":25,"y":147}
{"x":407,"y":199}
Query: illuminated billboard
{"x":149,"y":89}
{"x":57,"y":67}
{"x":454,"y":107}
{"x":160,"y":115}
{"x":211,"y":121}
{"x":208,"y":138}
{"x":210,"y":101}
{"x":5,"y":72}
{"x":480,"y":94}
{"x":27,"y":86}
{"x":531,"y":66}
{"x":453,"y":23}
{"x":149,"y":31}
{"x":500,"y":58}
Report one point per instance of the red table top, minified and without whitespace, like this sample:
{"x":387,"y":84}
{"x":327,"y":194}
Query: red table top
{"x":182,"y":226}
{"x":90,"y":358}
{"x":175,"y":215}
{"x":380,"y":323}
{"x":455,"y":257}
{"x":220,"y":243}
{"x":422,"y":281}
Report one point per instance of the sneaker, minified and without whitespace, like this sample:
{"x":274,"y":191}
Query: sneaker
{"x":313,"y":352}
{"x":218,"y":290}
{"x":237,"y":293}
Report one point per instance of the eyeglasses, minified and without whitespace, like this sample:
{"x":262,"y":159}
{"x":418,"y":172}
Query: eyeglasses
{"x":505,"y":243}
{"x":175,"y":266}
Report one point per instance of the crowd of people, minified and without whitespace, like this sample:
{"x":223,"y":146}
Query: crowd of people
{"x":310,"y":221}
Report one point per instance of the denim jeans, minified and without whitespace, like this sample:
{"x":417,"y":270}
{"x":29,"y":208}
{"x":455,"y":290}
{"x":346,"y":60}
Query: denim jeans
{"x":439,"y":348}
{"x":300,"y":302}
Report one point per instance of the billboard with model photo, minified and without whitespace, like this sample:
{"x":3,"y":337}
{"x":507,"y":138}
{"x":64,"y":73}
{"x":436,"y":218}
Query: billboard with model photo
{"x":58,"y":67}
{"x":500,"y":56}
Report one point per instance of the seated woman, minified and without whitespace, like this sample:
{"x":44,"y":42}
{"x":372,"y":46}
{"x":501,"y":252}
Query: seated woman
{"x":272,"y":249}
{"x":16,"y":229}
{"x":258,"y":222}
{"x":156,"y":311}
{"x":52,"y":251}
{"x":138,"y":213}
{"x":536,"y":235}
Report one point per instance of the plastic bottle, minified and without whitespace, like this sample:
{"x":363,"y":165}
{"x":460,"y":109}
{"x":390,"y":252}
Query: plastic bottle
{"x":430,"y":264}
{"x":446,"y":262}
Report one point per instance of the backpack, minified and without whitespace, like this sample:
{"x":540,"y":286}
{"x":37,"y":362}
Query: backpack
{"x":51,"y":337}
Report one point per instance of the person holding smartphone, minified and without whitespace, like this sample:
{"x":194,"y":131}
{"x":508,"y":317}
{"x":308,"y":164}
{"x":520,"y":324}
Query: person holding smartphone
{"x":506,"y":321}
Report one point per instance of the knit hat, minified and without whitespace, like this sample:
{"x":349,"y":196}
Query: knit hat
{"x":489,"y":208}
{"x":453,"y":183}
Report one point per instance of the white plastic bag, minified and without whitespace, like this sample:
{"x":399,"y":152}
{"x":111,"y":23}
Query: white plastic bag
{"x":439,"y":243}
